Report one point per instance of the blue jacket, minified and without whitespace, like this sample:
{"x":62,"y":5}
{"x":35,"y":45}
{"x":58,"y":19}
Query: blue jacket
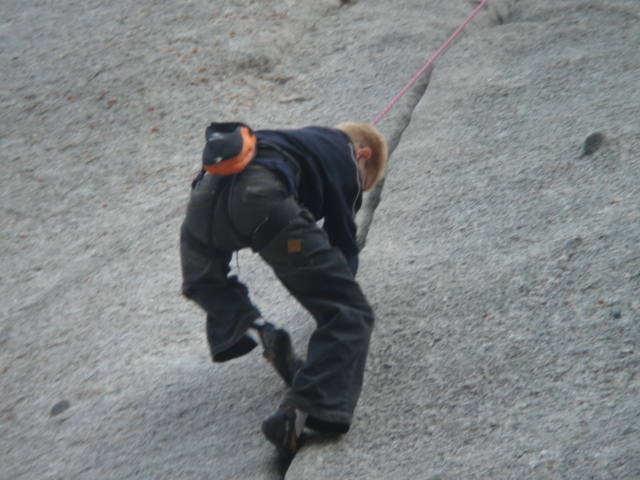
{"x":330,"y":185}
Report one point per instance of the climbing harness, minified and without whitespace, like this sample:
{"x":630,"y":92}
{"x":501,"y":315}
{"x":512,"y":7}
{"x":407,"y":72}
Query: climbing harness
{"x":429,"y":62}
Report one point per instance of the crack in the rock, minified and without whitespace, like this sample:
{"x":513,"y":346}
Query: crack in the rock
{"x":499,"y":14}
{"x":374,"y":197}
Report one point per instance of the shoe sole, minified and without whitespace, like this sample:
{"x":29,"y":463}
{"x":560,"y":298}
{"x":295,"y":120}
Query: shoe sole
{"x":280,"y":431}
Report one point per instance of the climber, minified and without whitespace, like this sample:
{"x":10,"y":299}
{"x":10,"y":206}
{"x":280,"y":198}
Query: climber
{"x":267,"y":190}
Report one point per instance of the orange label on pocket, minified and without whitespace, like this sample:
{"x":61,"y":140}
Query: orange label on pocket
{"x":294,"y":245}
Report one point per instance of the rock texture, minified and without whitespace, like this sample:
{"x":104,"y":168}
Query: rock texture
{"x":502,"y":259}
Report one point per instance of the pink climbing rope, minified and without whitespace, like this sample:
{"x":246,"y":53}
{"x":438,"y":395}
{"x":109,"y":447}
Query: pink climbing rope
{"x":442,"y":48}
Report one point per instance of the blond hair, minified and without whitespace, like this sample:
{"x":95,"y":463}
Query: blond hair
{"x":365,"y":135}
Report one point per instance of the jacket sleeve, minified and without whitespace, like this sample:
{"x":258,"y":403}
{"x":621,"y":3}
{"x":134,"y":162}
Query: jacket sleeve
{"x":339,"y":223}
{"x":353,"y":264}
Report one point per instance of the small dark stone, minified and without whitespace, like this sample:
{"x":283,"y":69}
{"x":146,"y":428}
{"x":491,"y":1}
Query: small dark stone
{"x":59,"y":407}
{"x":617,"y":314}
{"x":573,"y":243}
{"x":592,"y":143}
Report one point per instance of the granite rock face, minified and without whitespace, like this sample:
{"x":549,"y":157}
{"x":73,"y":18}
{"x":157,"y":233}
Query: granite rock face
{"x":508,"y":311}
{"x":501,"y":259}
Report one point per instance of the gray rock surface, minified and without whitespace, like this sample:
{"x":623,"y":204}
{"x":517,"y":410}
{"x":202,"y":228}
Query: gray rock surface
{"x":502,"y":260}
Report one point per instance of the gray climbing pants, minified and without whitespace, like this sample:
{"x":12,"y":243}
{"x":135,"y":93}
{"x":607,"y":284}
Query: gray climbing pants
{"x":254,"y":209}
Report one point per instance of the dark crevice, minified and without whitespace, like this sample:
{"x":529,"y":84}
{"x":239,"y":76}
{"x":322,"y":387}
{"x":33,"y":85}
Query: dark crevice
{"x":373,"y":198}
{"x":499,"y":15}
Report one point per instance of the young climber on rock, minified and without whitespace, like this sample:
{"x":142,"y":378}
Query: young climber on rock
{"x":267,"y":190}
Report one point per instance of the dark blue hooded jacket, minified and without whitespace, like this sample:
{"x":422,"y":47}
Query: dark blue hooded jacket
{"x":329,"y":186}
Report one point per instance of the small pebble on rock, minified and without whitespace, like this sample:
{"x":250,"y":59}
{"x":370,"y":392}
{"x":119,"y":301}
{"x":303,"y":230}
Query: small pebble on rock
{"x":59,"y":407}
{"x":591,"y":144}
{"x":573,"y":243}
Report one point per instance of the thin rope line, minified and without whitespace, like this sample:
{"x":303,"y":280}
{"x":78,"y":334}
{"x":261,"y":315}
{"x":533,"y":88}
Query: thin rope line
{"x":439,"y":52}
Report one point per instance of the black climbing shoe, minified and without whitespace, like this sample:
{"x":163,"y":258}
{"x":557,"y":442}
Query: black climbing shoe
{"x":284,"y":429}
{"x":279,"y":352}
